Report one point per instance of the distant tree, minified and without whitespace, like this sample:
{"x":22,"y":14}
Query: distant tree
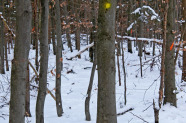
{"x":43,"y":62}
{"x":77,"y":28}
{"x":170,"y":88}
{"x":20,"y":61}
{"x":184,"y":39}
{"x":2,"y":69}
{"x":130,"y":7}
{"x":106,"y":104}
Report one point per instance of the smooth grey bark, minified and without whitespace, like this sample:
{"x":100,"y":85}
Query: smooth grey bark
{"x":20,"y":61}
{"x":59,"y":61}
{"x":2,"y":69}
{"x":27,"y":98}
{"x":170,"y":88}
{"x":184,"y":39}
{"x":43,"y":62}
{"x":106,"y":103}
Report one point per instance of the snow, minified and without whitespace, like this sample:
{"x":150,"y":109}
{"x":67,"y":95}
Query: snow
{"x":140,"y":91}
{"x":153,"y":13}
{"x":131,"y":25}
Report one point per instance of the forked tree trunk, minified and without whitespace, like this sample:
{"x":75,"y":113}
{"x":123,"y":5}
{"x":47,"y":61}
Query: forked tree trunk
{"x":106,"y":104}
{"x":43,"y":61}
{"x":20,"y":61}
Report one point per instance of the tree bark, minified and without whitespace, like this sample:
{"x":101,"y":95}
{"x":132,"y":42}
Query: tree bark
{"x":77,"y":31}
{"x":43,"y":62}
{"x":93,"y":39}
{"x":2,"y":69}
{"x":170,"y":88}
{"x":53,"y":27}
{"x":162,"y":72}
{"x":20,"y":61}
{"x":59,"y":61}
{"x":184,"y":45}
{"x":106,"y":104}
{"x":27,"y":98}
{"x":67,"y":28}
{"x":130,"y":6}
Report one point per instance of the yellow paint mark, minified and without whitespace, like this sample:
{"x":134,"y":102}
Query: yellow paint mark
{"x":107,"y":5}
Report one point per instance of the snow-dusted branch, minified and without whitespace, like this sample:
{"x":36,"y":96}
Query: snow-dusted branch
{"x":141,"y":39}
{"x":81,"y":51}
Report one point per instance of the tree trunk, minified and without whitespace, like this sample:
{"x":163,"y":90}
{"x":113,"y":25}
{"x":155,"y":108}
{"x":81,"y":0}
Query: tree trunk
{"x":93,"y":29}
{"x":27,"y":98}
{"x":141,"y":34}
{"x":184,"y":45}
{"x":2,"y":69}
{"x":170,"y":88}
{"x":43,"y":62}
{"x":20,"y":61}
{"x":106,"y":105}
{"x":77,"y":31}
{"x":59,"y":61}
{"x":129,"y":43}
{"x":93,"y":38}
{"x":35,"y":35}
{"x":67,"y":28}
{"x":162,"y":72}
{"x":53,"y":28}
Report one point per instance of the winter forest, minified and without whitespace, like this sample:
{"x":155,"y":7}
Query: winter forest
{"x":92,"y":61}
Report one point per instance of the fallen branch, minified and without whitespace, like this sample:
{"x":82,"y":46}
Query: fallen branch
{"x":81,"y":51}
{"x":48,"y":91}
{"x":141,"y":39}
{"x":122,"y":113}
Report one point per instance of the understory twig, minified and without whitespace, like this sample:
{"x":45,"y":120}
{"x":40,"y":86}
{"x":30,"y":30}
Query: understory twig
{"x":122,"y":113}
{"x":139,"y":117}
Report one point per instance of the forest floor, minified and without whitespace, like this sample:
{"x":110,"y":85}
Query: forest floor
{"x":75,"y":79}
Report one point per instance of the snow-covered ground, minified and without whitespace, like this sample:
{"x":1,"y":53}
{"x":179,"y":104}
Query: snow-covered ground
{"x":140,"y":91}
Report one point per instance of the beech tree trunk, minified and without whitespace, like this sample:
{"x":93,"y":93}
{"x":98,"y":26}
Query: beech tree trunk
{"x":43,"y":61}
{"x":170,"y":88}
{"x":59,"y":61}
{"x":106,"y":104}
{"x":20,"y":61}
